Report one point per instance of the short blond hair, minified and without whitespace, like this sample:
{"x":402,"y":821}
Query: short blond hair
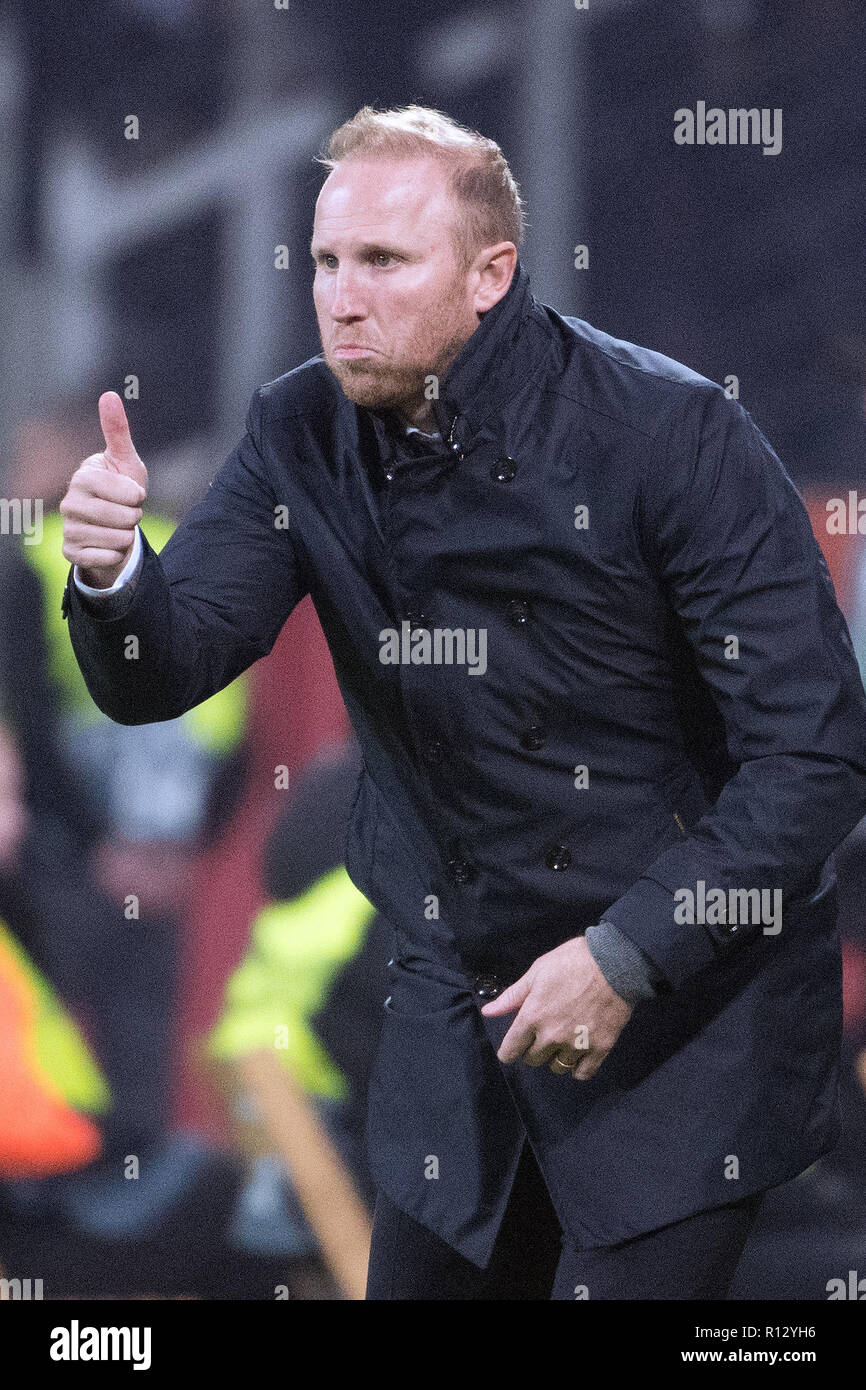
{"x":491,"y":208}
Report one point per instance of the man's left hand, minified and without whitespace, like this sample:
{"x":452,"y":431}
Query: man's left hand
{"x":567,"y":1013}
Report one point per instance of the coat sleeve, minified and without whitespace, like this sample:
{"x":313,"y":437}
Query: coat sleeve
{"x":202,"y":610}
{"x":729,"y":538}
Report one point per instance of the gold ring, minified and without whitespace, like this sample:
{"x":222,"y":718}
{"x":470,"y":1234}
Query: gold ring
{"x":558,"y":1062}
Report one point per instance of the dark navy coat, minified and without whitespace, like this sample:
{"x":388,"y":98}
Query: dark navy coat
{"x":670,"y":697}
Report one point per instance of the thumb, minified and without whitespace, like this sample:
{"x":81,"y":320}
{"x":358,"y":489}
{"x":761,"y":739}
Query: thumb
{"x":510,"y":998}
{"x":119,"y":448}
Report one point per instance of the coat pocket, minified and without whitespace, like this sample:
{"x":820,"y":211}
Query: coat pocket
{"x":443,"y":1134}
{"x":417,"y":995}
{"x":361,"y":833}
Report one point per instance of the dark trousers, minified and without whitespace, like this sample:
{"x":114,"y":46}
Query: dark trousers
{"x":693,"y":1258}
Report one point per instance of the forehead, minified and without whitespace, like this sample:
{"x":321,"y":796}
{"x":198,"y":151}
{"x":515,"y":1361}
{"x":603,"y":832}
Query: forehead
{"x":363,"y":196}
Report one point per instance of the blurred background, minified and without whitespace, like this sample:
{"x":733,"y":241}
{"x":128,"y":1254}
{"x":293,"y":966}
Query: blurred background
{"x":172,"y":898}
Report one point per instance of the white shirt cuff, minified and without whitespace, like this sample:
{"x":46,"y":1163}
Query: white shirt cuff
{"x":121,"y":579}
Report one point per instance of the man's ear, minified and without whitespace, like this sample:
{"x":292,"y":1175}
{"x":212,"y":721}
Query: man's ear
{"x":496,"y":266}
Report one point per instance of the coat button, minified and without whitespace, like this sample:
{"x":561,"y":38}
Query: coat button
{"x":558,"y":857}
{"x":462,"y":871}
{"x":503,"y":469}
{"x":518,"y":611}
{"x":434,"y":751}
{"x":728,"y":928}
{"x":460,"y":867}
{"x":486,"y":986}
{"x":417,"y":619}
{"x":533,"y":738}
{"x":388,"y":475}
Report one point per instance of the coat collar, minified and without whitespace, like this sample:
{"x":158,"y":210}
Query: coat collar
{"x":511,"y":345}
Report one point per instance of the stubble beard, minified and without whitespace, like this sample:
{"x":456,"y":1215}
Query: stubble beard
{"x":389,"y":384}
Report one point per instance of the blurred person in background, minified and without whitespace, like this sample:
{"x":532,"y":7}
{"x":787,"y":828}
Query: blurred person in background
{"x":48,"y":1078}
{"x":314,"y":972}
{"x":99,"y":889}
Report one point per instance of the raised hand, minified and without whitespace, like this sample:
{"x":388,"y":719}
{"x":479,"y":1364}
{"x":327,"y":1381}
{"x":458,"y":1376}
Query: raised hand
{"x":103,"y":503}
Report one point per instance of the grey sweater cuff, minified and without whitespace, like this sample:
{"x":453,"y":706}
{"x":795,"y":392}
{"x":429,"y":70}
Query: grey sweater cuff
{"x":627,"y":970}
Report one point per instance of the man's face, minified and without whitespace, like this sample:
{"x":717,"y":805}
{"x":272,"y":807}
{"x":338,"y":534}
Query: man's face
{"x":393,"y":303}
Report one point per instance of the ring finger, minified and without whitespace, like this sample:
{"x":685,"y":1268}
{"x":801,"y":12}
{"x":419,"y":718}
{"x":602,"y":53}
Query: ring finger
{"x":564,"y":1059}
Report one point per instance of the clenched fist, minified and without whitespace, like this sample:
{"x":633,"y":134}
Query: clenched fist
{"x":103,"y":502}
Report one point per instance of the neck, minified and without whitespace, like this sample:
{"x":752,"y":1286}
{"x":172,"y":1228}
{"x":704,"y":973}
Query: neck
{"x":420,"y":415}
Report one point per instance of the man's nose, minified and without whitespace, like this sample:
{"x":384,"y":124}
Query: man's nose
{"x":346,"y":302}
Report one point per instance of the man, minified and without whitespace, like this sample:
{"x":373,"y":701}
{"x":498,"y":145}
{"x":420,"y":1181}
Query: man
{"x":600,"y":682}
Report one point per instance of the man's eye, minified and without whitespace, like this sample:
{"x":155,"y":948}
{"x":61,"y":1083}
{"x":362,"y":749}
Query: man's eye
{"x":384,"y":256}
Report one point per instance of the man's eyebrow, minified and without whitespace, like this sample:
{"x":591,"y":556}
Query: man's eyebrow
{"x":363,"y":248}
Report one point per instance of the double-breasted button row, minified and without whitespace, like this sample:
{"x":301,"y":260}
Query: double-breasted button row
{"x":463,"y":870}
{"x":517,"y":611}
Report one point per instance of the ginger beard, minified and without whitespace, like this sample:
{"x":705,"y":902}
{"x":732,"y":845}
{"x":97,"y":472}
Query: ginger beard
{"x":423,"y":343}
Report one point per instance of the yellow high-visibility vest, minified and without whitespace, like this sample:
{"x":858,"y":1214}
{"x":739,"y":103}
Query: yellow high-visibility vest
{"x":217,"y":724}
{"x":296,"y":950}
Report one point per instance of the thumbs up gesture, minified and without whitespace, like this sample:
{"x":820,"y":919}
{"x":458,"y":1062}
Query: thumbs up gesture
{"x":103,"y":502}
